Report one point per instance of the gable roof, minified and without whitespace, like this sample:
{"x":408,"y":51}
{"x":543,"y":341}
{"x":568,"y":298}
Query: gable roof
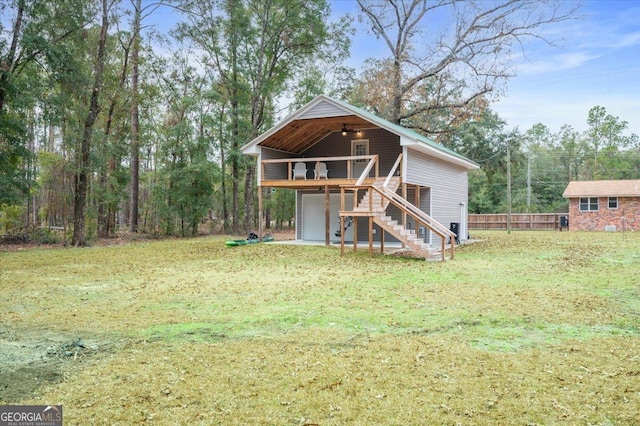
{"x":324,"y":115}
{"x":602,"y":188}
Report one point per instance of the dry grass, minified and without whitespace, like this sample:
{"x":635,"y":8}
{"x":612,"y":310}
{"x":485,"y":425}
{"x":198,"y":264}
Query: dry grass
{"x":532,"y":328}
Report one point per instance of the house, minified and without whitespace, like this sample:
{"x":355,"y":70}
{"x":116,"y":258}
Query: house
{"x":604,"y":205}
{"x":359,"y":178}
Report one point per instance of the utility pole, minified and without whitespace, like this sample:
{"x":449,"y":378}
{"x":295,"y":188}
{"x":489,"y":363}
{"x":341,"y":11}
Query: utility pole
{"x":509,"y":184}
{"x":529,"y":181}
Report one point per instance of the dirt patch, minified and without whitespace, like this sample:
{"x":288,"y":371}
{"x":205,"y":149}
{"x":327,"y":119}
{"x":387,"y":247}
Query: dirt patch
{"x":31,"y":359}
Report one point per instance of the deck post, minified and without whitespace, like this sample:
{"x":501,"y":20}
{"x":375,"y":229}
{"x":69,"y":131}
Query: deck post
{"x":370,"y":235}
{"x":404,"y":213}
{"x":355,"y":233}
{"x":453,"y":248}
{"x":341,"y":221}
{"x":342,"y":235}
{"x":260,"y":211}
{"x":381,"y":240}
{"x":327,"y":215}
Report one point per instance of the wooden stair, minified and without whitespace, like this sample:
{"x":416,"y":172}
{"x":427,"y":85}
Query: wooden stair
{"x":407,"y":236}
{"x":378,"y":209}
{"x":379,"y":204}
{"x":377,"y":198}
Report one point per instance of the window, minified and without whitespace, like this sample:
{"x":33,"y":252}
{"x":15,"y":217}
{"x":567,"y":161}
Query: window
{"x":613,"y":202}
{"x":589,"y":204}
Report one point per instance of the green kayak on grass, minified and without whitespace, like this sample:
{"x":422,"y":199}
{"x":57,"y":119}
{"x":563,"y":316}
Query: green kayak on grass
{"x":234,"y":243}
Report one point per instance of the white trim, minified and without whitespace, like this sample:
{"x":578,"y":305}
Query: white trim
{"x":355,"y":142}
{"x":259,"y":169}
{"x":432,"y":152}
{"x":405,"y":162}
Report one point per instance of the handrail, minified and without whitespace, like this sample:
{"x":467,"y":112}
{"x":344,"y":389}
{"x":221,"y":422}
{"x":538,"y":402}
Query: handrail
{"x":366,"y":170}
{"x":428,"y":220}
{"x":420,"y":217}
{"x":393,"y":171}
{"x":415,"y":213}
{"x":402,"y":203}
{"x":314,"y":159}
{"x":349,"y":159}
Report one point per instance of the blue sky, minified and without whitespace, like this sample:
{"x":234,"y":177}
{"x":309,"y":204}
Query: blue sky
{"x":596,"y":62}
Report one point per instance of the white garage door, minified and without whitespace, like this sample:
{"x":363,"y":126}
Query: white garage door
{"x":313,"y":218}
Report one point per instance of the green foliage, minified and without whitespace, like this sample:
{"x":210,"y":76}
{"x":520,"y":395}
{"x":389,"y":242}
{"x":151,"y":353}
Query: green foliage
{"x":282,"y":204}
{"x":14,"y":180}
{"x":190,"y":195}
{"x":10,"y":217}
{"x":30,"y":235}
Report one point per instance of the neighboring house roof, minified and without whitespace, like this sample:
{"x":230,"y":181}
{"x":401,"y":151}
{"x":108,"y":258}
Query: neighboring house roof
{"x":326,"y":112}
{"x":602,"y":188}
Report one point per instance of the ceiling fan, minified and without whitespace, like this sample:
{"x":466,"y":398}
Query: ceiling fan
{"x":345,"y":130}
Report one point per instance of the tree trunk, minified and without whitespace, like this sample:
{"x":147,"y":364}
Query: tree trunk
{"x":135,"y":122}
{"x":82,"y":157}
{"x":223,"y":176}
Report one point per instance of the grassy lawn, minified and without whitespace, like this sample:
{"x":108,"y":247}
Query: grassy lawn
{"x":527,"y":328}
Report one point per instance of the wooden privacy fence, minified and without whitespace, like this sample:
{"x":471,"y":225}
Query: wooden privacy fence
{"x":535,"y":221}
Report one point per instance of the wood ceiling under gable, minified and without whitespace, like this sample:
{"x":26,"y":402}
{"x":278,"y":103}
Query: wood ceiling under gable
{"x":300,"y":135}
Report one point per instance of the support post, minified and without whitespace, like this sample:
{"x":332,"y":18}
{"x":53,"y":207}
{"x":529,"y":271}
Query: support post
{"x":260,"y":212}
{"x":404,"y":212}
{"x":370,"y":235}
{"x":355,"y":233}
{"x":341,"y":221}
{"x":327,"y":215}
{"x":341,"y":235}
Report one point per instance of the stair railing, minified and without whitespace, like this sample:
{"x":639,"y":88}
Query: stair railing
{"x":421,"y":217}
{"x":393,"y":171}
{"x":365,"y":172}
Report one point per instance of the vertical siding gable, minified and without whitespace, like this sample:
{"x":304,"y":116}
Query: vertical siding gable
{"x":324,"y":109}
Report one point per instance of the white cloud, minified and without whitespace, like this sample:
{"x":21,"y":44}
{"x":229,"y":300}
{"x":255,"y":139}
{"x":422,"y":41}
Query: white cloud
{"x":560,"y":62}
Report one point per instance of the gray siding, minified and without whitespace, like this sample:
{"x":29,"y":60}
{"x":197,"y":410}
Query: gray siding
{"x":278,"y":170}
{"x":448,"y":186}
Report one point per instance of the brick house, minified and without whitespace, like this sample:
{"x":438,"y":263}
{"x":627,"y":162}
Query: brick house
{"x":604,"y":205}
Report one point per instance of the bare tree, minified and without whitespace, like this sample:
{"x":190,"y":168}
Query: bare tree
{"x":446,"y":54}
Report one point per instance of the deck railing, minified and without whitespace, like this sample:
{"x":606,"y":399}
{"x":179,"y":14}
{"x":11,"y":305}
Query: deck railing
{"x":336,"y":170}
